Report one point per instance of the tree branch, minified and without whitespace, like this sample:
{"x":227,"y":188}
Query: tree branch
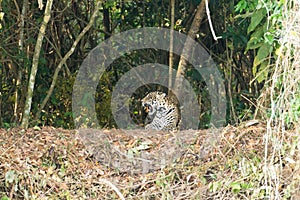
{"x":63,"y":61}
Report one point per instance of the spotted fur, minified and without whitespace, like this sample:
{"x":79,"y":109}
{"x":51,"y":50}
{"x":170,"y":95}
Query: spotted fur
{"x":162,"y":110}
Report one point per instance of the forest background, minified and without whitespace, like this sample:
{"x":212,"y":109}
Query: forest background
{"x":249,"y":43}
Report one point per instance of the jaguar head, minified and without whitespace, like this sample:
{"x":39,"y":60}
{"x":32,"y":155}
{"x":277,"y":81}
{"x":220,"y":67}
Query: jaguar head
{"x":151,"y":102}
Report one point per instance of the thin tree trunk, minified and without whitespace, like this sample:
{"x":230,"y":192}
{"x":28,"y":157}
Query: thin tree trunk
{"x":171,"y":44}
{"x":63,"y":61}
{"x":35,"y":62}
{"x":106,"y":22}
{"x":195,"y":27}
{"x":1,"y":72}
{"x":21,"y":48}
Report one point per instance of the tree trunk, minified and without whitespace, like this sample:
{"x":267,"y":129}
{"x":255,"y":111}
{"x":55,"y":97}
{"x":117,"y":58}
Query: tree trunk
{"x":171,"y":43}
{"x":21,"y":62}
{"x":106,"y":22}
{"x":35,"y":62}
{"x":195,"y":27}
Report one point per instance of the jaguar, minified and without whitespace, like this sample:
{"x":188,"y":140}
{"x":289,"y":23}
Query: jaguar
{"x":162,"y":111}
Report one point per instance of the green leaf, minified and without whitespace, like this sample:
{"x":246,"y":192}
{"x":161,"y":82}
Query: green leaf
{"x":10,"y":176}
{"x":262,"y":54}
{"x":263,"y":71}
{"x":36,"y":128}
{"x":253,"y":45}
{"x":255,"y":39}
{"x":214,"y":186}
{"x":5,"y":198}
{"x":241,"y":6}
{"x":269,"y":37}
{"x":235,"y":187}
{"x":256,"y":18}
{"x":246,"y":186}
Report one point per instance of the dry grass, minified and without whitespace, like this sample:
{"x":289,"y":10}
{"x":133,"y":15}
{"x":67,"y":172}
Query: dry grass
{"x":284,"y":99}
{"x":55,"y":164}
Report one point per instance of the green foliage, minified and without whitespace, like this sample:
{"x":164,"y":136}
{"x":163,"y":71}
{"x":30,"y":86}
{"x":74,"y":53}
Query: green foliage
{"x":103,"y":101}
{"x":203,"y":95}
{"x":1,"y":18}
{"x":5,"y":198}
{"x":293,"y":115}
{"x":58,"y":112}
{"x":244,"y":5}
{"x":1,"y":15}
{"x":263,"y":31}
{"x":249,"y":27}
{"x":256,"y":19}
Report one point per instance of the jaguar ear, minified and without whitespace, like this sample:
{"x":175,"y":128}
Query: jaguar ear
{"x":161,"y":95}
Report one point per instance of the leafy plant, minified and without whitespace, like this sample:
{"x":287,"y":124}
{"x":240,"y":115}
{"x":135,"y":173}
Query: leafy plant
{"x":265,"y":20}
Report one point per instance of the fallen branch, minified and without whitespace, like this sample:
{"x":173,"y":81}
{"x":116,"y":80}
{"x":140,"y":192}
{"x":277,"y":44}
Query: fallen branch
{"x":112,"y":186}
